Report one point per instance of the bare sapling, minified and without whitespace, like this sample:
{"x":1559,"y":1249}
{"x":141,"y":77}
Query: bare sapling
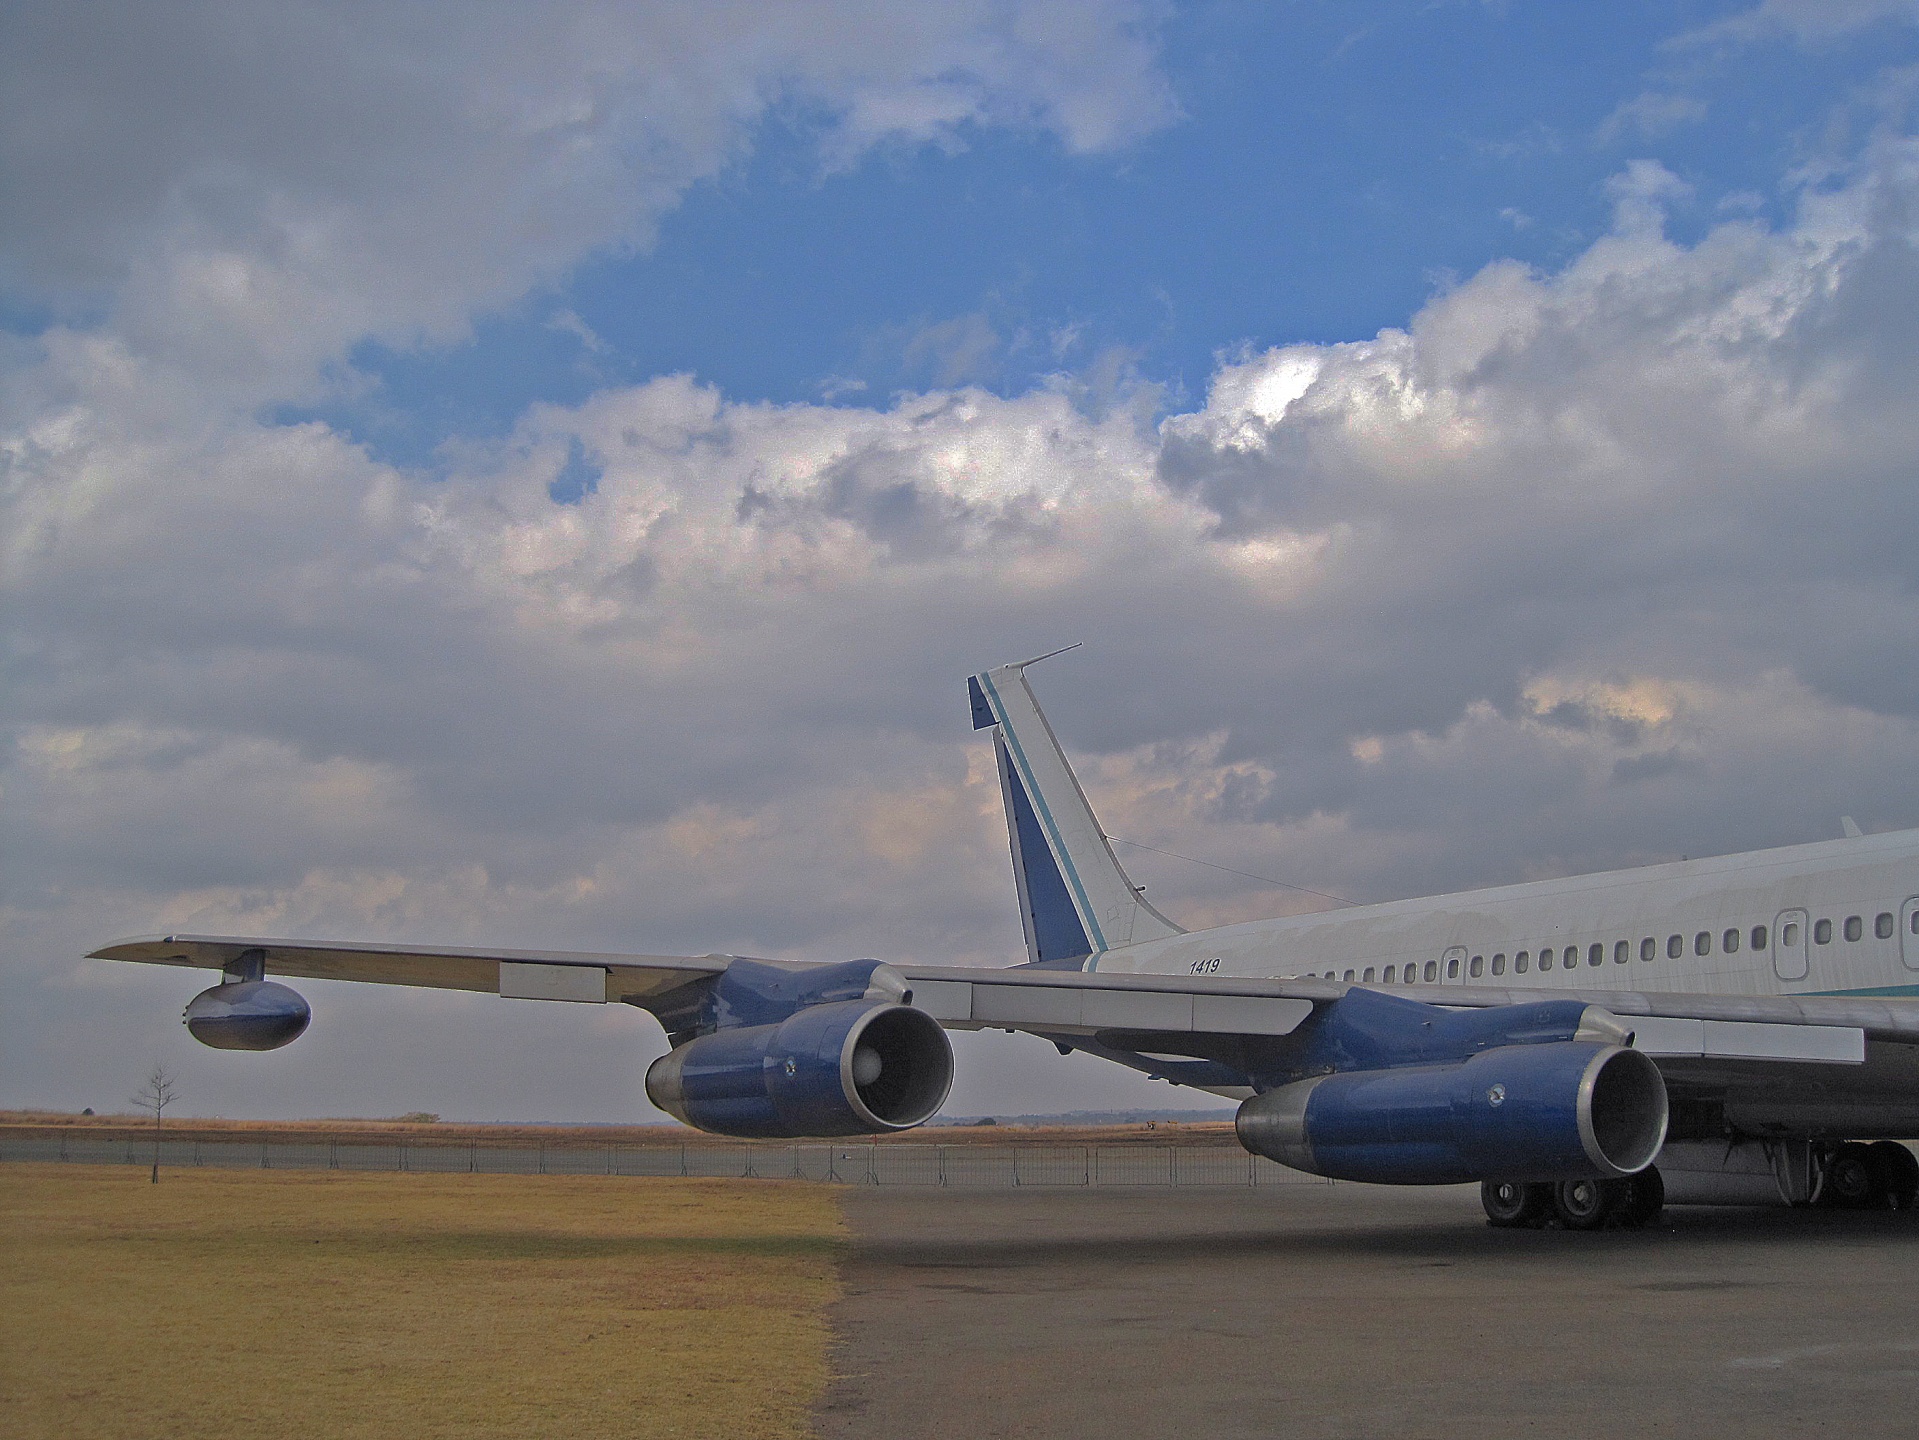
{"x":157,"y":1095}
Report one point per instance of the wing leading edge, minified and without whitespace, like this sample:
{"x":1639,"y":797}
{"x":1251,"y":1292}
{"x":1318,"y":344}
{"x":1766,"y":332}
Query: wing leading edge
{"x":517,"y":974}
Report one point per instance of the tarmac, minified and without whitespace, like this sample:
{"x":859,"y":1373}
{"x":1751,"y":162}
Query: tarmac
{"x":1356,"y":1311}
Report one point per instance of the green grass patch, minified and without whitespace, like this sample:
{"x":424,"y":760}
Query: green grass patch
{"x":288,"y":1303}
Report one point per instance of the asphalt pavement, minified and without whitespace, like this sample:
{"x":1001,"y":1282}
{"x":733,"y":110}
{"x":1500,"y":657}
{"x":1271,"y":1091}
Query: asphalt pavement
{"x":1354,"y":1311}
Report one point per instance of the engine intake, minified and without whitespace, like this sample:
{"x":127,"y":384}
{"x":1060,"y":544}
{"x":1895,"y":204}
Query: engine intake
{"x":1566,"y":1110}
{"x":848,"y":1068}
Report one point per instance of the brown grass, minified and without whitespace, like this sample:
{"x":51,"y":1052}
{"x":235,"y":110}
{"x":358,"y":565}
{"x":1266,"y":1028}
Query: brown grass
{"x":42,"y":1125}
{"x":238,"y":1303}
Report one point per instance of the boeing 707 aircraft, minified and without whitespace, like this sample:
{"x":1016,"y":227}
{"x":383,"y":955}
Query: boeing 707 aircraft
{"x":1736,"y":1029}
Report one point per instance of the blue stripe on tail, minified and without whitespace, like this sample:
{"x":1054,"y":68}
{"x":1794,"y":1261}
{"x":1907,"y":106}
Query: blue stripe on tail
{"x":983,"y":715}
{"x":1053,"y":922}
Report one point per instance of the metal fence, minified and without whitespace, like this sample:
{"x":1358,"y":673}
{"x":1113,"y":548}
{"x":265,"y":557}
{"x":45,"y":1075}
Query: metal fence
{"x":974,"y":1167}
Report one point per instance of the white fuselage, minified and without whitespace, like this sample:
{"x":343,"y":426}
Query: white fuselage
{"x":1838,"y":917}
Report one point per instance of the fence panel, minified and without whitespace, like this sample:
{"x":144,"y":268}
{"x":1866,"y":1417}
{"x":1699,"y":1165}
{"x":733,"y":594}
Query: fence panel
{"x":1133,"y":1165}
{"x":989,"y":1167}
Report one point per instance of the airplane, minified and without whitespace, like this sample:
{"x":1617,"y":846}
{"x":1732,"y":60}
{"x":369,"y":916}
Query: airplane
{"x":1740,"y":1029}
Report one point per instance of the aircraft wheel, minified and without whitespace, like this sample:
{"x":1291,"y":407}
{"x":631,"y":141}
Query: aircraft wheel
{"x":1645,"y":1198}
{"x":1513,"y":1204}
{"x":1852,"y":1180}
{"x":1586,"y":1204}
{"x":1898,"y":1172}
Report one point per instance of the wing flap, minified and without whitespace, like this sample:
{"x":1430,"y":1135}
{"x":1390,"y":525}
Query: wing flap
{"x":1077,"y":1003}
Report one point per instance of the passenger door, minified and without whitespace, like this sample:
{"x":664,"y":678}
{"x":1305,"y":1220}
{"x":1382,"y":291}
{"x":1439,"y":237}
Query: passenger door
{"x":1789,"y":955}
{"x":1908,"y":938}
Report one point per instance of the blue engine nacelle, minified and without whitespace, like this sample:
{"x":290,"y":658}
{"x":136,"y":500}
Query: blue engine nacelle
{"x":248,"y":1015}
{"x":1565,"y":1110}
{"x":853,"y":1067}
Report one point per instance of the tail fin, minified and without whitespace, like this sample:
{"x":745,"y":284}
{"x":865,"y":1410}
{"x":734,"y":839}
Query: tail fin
{"x":1074,"y":899}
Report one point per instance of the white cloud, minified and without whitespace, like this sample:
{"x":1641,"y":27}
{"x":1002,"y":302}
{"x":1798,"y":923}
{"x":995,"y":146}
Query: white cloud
{"x":248,"y":190}
{"x":1575,"y":569}
{"x":1648,"y":116}
{"x":1803,"y":20}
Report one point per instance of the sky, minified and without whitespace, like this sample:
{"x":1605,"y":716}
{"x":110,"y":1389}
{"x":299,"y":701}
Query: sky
{"x":540,"y":476}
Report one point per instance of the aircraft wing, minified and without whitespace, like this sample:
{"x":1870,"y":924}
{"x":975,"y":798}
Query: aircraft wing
{"x":517,"y":974}
{"x":1826,"y":1028}
{"x":1063,"y":1002}
{"x":959,"y":997}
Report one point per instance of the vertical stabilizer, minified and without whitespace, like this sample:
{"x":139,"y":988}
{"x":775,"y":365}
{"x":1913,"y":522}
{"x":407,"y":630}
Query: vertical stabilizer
{"x":1074,"y":898}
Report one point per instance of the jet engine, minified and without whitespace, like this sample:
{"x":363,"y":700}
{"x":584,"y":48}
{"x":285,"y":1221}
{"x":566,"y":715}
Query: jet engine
{"x":248,"y":1015}
{"x":1562,"y":1110}
{"x":849,"y":1068}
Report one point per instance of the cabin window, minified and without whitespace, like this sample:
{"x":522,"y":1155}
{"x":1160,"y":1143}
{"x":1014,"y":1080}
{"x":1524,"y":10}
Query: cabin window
{"x":1622,"y":952}
{"x":1545,"y":959}
{"x":1854,"y":927}
{"x":1520,"y":962}
{"x":1648,"y":948}
{"x":1789,"y":934}
{"x":1882,"y":925}
{"x":1675,"y":946}
{"x":1452,"y":968}
{"x":1702,"y":943}
{"x":1349,"y":974}
{"x":1596,"y":953}
{"x":1915,"y":922}
{"x":1822,"y":932}
{"x":1368,"y":977}
{"x":1729,"y":942}
{"x":1432,"y":969}
{"x":1759,"y":937}
{"x":1392,"y":973}
{"x":1478,"y":967}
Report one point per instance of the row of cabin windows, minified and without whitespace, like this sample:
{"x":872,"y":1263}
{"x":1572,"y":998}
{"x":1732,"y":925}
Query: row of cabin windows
{"x":1883,"y":925}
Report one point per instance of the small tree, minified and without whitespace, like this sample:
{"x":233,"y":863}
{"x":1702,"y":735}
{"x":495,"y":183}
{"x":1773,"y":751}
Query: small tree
{"x":156,"y":1097}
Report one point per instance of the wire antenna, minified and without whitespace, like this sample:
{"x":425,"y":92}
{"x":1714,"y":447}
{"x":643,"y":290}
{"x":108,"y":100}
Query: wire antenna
{"x":1022,"y":664}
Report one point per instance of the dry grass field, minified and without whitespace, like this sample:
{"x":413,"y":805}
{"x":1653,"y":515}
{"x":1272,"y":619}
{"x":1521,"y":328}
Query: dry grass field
{"x":46,"y":1124}
{"x":230,"y":1303}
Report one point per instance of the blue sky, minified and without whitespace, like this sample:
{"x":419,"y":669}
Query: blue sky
{"x":1332,"y":166}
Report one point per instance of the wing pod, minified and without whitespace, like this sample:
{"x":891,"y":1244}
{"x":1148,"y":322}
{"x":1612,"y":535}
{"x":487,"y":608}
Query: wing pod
{"x":849,"y":1068}
{"x":248,"y":1015}
{"x":1564,"y":1110}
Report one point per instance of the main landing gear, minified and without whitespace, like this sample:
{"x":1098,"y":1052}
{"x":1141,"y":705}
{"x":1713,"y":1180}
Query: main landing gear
{"x":1575,"y":1204}
{"x":1852,"y":1175}
{"x":1881,"y":1176}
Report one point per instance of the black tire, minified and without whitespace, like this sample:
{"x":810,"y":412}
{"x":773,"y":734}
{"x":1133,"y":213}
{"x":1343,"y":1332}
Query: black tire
{"x":1645,"y":1198}
{"x":1514,"y":1204}
{"x":1898,"y":1172}
{"x":1852,"y":1180}
{"x":1586,"y":1204}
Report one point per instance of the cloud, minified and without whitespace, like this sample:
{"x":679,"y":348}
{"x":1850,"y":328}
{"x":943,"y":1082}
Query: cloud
{"x":959,"y":351}
{"x":1648,"y":116}
{"x":247,"y":191}
{"x":1803,"y":20}
{"x":1576,"y":569}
